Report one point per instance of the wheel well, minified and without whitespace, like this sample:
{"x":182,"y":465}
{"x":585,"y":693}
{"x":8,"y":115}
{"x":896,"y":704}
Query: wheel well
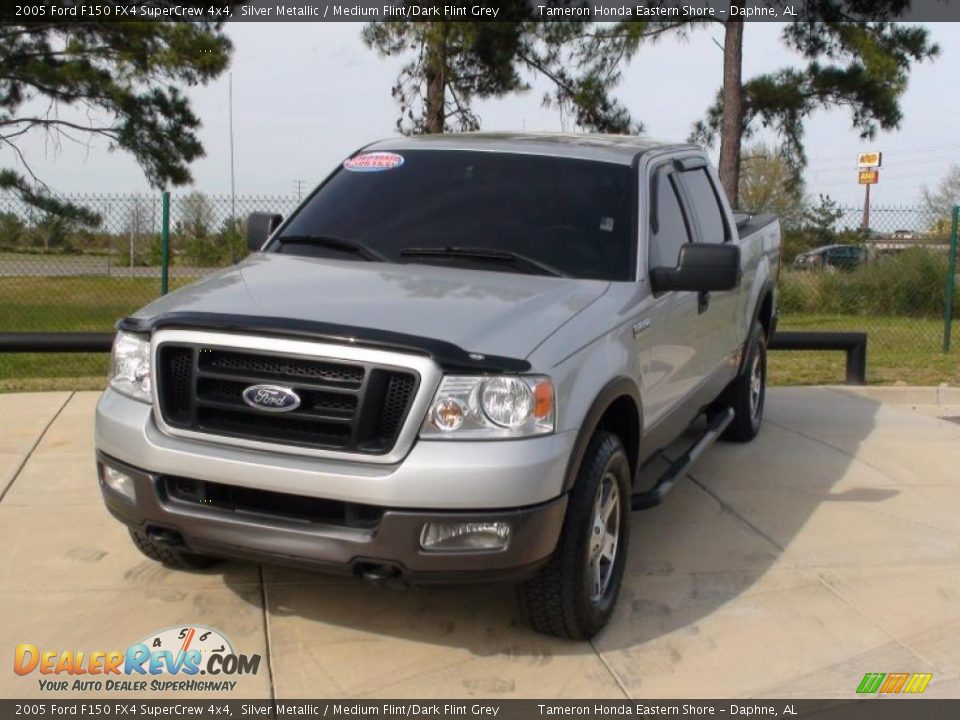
{"x":766,"y":314}
{"x":623,"y":420}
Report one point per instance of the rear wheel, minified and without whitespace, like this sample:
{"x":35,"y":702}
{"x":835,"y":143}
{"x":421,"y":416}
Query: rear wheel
{"x":747,"y":394}
{"x":171,"y":557}
{"x":574,"y":594}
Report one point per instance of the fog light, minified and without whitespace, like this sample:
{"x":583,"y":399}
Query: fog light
{"x":465,"y":536}
{"x":119,"y":482}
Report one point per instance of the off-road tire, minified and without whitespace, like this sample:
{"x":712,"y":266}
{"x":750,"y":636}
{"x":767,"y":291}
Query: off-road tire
{"x":176,"y":559}
{"x":557,"y":600}
{"x":748,"y":416}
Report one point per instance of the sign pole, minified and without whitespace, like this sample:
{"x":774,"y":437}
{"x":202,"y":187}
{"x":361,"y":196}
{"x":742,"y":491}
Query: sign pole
{"x":951,"y":280}
{"x":866,"y":209}
{"x":868,"y":165}
{"x":164,"y":242}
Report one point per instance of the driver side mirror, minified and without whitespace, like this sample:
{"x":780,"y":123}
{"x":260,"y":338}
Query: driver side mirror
{"x":259,"y":227}
{"x":702,"y":267}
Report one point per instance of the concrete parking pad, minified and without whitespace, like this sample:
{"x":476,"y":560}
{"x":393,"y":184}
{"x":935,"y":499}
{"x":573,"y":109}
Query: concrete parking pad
{"x":356,"y":641}
{"x":104,"y":620}
{"x":25,"y":418}
{"x":827,"y":548}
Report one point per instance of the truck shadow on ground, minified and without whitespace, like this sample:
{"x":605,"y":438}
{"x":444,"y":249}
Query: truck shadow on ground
{"x":716,"y":539}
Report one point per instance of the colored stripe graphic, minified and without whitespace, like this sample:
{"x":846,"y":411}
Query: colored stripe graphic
{"x":871,"y":683}
{"x":918,"y":683}
{"x":893,"y":683}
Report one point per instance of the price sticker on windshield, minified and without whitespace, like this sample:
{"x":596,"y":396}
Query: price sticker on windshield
{"x":373,"y":162}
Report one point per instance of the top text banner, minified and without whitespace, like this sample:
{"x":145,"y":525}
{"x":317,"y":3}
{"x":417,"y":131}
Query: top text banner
{"x":406,"y":10}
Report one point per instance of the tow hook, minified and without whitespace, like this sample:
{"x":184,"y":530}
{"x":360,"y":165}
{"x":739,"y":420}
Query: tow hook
{"x":379,"y":574}
{"x":164,"y":536}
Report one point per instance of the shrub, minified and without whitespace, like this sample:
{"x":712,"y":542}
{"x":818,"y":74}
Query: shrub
{"x":910,"y":283}
{"x":799,"y":292}
{"x":202,"y":252}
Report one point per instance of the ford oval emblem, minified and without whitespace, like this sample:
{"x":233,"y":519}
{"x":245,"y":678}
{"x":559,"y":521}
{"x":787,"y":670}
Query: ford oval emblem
{"x":271,"y":398}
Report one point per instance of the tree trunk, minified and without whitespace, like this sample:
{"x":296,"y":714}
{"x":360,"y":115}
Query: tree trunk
{"x":436,"y":66}
{"x":731,"y":130}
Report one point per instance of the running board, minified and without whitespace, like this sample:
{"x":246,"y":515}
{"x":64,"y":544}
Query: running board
{"x":716,"y":423}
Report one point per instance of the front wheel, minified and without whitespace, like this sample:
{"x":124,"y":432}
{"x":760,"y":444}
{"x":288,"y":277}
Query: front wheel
{"x":747,"y":394}
{"x":573,"y":595}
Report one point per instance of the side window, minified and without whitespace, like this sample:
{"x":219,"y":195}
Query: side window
{"x":671,"y":230}
{"x":705,"y":206}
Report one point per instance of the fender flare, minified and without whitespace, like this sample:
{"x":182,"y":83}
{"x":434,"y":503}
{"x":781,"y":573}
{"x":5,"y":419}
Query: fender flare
{"x":768,"y":288}
{"x":617,"y":387}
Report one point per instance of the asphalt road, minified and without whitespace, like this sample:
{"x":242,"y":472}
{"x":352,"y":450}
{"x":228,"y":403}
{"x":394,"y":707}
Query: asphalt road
{"x":83,"y":265}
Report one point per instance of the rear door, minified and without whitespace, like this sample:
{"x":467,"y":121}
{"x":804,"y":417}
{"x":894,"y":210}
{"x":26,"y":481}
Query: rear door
{"x":718,"y":326}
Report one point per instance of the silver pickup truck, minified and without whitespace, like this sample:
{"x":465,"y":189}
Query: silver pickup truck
{"x":451,"y":363}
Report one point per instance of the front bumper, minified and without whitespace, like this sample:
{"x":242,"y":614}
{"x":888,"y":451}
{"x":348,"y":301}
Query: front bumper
{"x":392,"y":545}
{"x":435,"y":475}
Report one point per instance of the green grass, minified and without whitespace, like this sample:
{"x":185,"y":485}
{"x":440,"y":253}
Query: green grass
{"x":71,"y":303}
{"x":78,"y":304}
{"x":900,"y":349}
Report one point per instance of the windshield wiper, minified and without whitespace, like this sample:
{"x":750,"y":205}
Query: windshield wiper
{"x":475,"y":253}
{"x":337,"y":243}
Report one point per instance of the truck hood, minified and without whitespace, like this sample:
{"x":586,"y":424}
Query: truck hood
{"x":493,"y":313}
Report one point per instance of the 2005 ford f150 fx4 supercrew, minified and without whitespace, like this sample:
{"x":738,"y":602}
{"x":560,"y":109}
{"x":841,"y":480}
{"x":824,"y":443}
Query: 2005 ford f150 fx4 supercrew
{"x":449,"y":364}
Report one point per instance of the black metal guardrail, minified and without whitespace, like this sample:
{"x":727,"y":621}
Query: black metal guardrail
{"x":55,"y":342}
{"x":853,"y":343}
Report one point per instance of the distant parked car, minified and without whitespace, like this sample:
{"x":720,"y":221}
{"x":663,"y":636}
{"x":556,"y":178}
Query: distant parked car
{"x":831,"y":257}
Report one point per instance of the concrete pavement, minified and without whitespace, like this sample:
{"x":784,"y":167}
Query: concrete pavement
{"x":789,"y":567}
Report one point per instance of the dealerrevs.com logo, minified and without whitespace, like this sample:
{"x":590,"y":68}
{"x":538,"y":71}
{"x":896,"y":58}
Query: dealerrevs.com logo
{"x":171,"y":659}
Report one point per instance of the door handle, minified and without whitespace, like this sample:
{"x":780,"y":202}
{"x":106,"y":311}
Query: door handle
{"x":703,"y":301}
{"x":639,"y":327}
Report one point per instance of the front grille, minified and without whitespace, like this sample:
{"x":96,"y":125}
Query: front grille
{"x":270,"y":367}
{"x":284,"y":506}
{"x":344,"y":406}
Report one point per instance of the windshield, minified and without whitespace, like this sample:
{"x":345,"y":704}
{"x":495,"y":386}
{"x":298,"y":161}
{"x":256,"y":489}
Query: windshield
{"x":570,"y":215}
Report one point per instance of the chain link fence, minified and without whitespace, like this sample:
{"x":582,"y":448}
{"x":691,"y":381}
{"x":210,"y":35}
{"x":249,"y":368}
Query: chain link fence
{"x":59,"y":275}
{"x":890,"y":281}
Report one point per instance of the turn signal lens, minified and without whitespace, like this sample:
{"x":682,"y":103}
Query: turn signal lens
{"x":448,"y":414}
{"x":543,"y":400}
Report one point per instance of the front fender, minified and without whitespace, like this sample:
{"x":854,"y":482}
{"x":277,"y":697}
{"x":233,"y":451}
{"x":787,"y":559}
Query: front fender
{"x":617,"y":388}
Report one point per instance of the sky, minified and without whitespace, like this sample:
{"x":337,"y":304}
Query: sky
{"x":305,"y":95}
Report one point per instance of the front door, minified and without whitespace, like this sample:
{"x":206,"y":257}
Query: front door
{"x":667,"y":336}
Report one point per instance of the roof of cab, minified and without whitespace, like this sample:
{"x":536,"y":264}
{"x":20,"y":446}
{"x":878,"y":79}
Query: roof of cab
{"x":620,"y":149}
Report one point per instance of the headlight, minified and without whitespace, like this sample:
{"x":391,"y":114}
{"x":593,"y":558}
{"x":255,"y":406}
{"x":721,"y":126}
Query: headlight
{"x":130,"y":367}
{"x":501,"y":406}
